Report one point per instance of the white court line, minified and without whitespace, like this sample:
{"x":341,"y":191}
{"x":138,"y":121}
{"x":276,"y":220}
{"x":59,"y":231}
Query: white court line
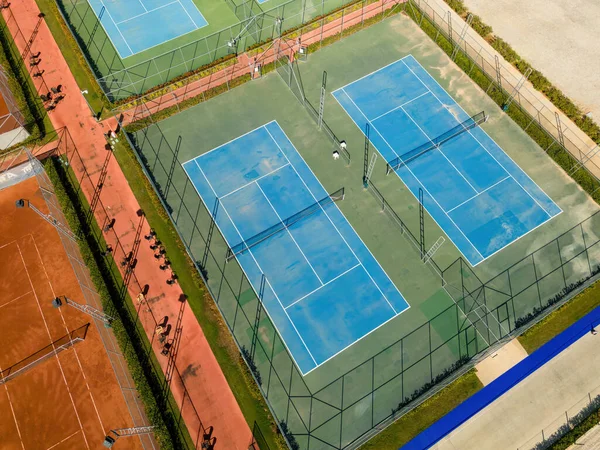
{"x":15,"y":299}
{"x":520,"y":237}
{"x":249,"y":278}
{"x":419,"y":181}
{"x":7,"y":244}
{"x":485,"y":148}
{"x":479,"y":193}
{"x":363,"y":243}
{"x":12,"y":410}
{"x":147,"y":11}
{"x":143,"y":6}
{"x":223,"y":145}
{"x":257,"y":265}
{"x":58,"y":443}
{"x":398,"y":107}
{"x":321,"y":287}
{"x":56,"y":356}
{"x":359,"y":339}
{"x":188,"y":14}
{"x":117,"y":27}
{"x":336,"y":228}
{"x":290,"y":234}
{"x":317,"y":365}
{"x":67,"y":330}
{"x":253,"y":181}
{"x":365,"y":76}
{"x":439,"y":149}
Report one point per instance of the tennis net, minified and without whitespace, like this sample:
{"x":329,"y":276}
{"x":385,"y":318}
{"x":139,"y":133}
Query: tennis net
{"x":459,"y":129}
{"x":284,"y":225}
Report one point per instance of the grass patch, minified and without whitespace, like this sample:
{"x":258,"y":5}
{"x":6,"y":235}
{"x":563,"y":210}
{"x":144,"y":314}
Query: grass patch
{"x":160,"y":407}
{"x":561,"y":319}
{"x":417,"y":420}
{"x":70,"y":50}
{"x":217,"y":333}
{"x":571,"y":438}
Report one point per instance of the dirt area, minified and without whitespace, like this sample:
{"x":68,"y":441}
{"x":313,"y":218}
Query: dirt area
{"x":70,"y":400}
{"x":500,"y":361}
{"x":558,"y":38}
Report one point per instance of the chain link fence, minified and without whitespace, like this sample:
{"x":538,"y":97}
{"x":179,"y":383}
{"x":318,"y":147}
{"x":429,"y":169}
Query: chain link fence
{"x":58,"y":143}
{"x":348,"y":410}
{"x":555,"y":133}
{"x":256,"y":25}
{"x":564,"y":422}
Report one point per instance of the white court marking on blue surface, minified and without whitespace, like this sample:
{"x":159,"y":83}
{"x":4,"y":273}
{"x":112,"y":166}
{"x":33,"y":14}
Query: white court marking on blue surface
{"x":438,"y":149}
{"x":147,"y":11}
{"x":254,"y":258}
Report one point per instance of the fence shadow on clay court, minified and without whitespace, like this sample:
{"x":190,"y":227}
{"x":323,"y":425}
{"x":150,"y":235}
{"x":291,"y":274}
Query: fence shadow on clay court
{"x":59,"y":145}
{"x":59,"y":149}
{"x":354,"y":406}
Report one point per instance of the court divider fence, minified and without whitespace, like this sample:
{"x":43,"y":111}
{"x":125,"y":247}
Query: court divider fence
{"x":393,"y":381}
{"x":359,"y":403}
{"x":565,"y":422}
{"x":256,"y":26}
{"x":231,"y":73}
{"x":60,"y":145}
{"x":397,"y":378}
{"x":543,"y":124}
{"x":60,"y":148}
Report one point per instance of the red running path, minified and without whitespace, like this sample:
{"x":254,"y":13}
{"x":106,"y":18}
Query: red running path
{"x":203,"y":377}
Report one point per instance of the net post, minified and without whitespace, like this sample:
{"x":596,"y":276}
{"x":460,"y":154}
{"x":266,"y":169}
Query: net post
{"x":211,"y":229}
{"x":462,"y":35}
{"x":366,"y":161}
{"x":561,"y":137}
{"x":421,"y":222}
{"x":516,"y":89}
{"x":322,"y":99}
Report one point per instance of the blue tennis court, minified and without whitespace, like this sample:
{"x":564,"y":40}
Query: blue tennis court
{"x":137,"y":25}
{"x":322,"y":287}
{"x":474,"y":191}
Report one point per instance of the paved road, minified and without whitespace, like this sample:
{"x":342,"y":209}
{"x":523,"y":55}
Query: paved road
{"x":537,"y":402}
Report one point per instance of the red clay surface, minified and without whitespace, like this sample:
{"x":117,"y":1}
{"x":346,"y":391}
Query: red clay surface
{"x":71,"y":400}
{"x":205,"y":384}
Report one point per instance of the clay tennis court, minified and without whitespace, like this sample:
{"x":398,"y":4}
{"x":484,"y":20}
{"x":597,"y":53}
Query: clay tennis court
{"x":70,"y":400}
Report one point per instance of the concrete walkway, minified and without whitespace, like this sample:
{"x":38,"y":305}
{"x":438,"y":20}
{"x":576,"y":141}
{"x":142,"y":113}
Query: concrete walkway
{"x":536,"y":403}
{"x":203,"y":380}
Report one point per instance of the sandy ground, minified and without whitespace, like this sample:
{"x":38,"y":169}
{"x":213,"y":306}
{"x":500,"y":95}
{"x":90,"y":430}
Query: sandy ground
{"x":499,"y":362}
{"x":558,"y":38}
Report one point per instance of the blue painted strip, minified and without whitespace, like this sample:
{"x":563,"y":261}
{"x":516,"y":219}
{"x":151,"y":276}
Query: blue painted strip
{"x":504,"y":383}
